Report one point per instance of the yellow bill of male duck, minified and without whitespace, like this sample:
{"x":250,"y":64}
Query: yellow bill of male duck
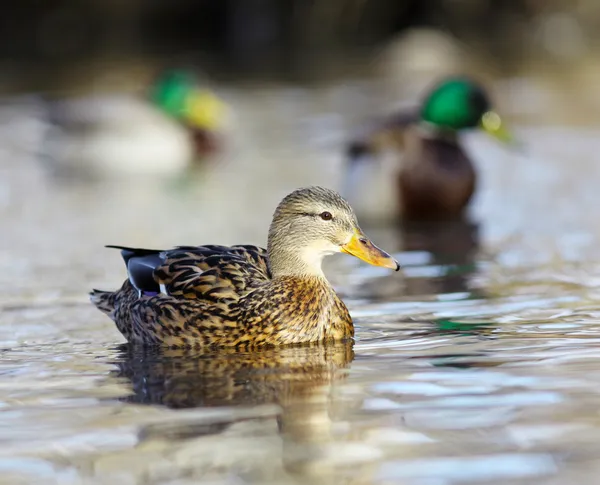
{"x":245,"y":296}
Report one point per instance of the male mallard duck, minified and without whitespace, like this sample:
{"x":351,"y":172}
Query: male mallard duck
{"x":126,"y":134}
{"x":245,"y":296}
{"x":199,"y":110}
{"x":435,"y":179}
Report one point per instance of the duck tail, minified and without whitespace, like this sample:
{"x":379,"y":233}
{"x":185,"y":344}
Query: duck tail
{"x":104,"y":301}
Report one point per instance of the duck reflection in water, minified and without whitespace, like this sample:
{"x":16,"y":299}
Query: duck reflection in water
{"x":452,"y":246}
{"x":298,"y":380}
{"x":178,"y":379}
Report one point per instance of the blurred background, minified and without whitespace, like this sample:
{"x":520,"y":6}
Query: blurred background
{"x":70,"y":45}
{"x":160,"y":123}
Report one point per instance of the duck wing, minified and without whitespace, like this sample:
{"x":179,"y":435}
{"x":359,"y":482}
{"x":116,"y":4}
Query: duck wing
{"x":208,"y":272}
{"x":387,"y":131}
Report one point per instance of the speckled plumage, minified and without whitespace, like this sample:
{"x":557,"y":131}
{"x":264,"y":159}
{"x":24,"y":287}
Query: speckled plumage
{"x":217,"y":296}
{"x":225,"y":296}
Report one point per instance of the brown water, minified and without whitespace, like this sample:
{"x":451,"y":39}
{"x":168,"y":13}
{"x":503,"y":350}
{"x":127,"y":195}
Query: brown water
{"x":479,"y":364}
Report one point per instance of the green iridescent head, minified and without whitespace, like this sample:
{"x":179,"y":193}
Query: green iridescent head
{"x":179,"y":94}
{"x":171,"y":90}
{"x":456,"y":103}
{"x":459,"y":104}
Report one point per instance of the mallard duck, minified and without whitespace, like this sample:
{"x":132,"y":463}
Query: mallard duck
{"x":159,"y":134}
{"x":435,"y":179}
{"x":199,"y":110}
{"x":245,"y":296}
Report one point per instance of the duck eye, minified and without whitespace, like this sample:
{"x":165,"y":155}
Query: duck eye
{"x":326,"y":216}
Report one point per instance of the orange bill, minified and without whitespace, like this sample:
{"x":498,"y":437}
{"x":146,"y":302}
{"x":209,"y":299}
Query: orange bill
{"x":361,"y":247}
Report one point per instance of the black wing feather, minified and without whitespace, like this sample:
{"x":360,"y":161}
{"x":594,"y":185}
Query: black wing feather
{"x":141,"y":264}
{"x":184,"y":269}
{"x":141,"y":272}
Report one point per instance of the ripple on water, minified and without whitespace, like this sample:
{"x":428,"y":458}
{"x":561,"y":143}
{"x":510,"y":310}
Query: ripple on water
{"x":476,"y":365}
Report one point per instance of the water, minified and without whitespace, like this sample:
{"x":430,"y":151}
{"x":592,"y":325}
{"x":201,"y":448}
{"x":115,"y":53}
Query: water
{"x":478,"y":364}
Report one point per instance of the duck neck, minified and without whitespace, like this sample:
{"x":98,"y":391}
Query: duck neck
{"x":295,"y":263}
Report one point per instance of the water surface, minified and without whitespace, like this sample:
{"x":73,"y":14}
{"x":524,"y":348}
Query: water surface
{"x":478,"y":364}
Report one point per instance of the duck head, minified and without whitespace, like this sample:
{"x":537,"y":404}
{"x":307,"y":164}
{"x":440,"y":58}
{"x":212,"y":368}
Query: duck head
{"x":460,"y":103}
{"x":311,"y":223}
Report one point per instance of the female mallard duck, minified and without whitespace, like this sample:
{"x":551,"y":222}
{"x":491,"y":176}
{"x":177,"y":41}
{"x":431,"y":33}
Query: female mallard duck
{"x":245,"y":296}
{"x":435,"y":179}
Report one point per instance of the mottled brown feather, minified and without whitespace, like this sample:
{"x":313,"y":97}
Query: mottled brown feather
{"x":226,"y":297}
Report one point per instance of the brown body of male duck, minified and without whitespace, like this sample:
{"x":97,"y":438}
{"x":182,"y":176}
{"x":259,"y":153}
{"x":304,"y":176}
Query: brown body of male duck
{"x":245,"y":296}
{"x":431,"y":177}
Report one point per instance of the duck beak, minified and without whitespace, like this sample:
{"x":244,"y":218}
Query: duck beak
{"x":361,"y":247}
{"x":205,"y":110}
{"x":492,"y":124}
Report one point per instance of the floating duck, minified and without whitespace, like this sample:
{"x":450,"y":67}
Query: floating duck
{"x":245,"y":296}
{"x":198,"y":109}
{"x":428,"y":176}
{"x":125,"y":134}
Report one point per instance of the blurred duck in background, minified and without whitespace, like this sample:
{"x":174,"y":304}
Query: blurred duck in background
{"x":198,"y":109}
{"x":411,"y":165}
{"x":178,"y":124}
